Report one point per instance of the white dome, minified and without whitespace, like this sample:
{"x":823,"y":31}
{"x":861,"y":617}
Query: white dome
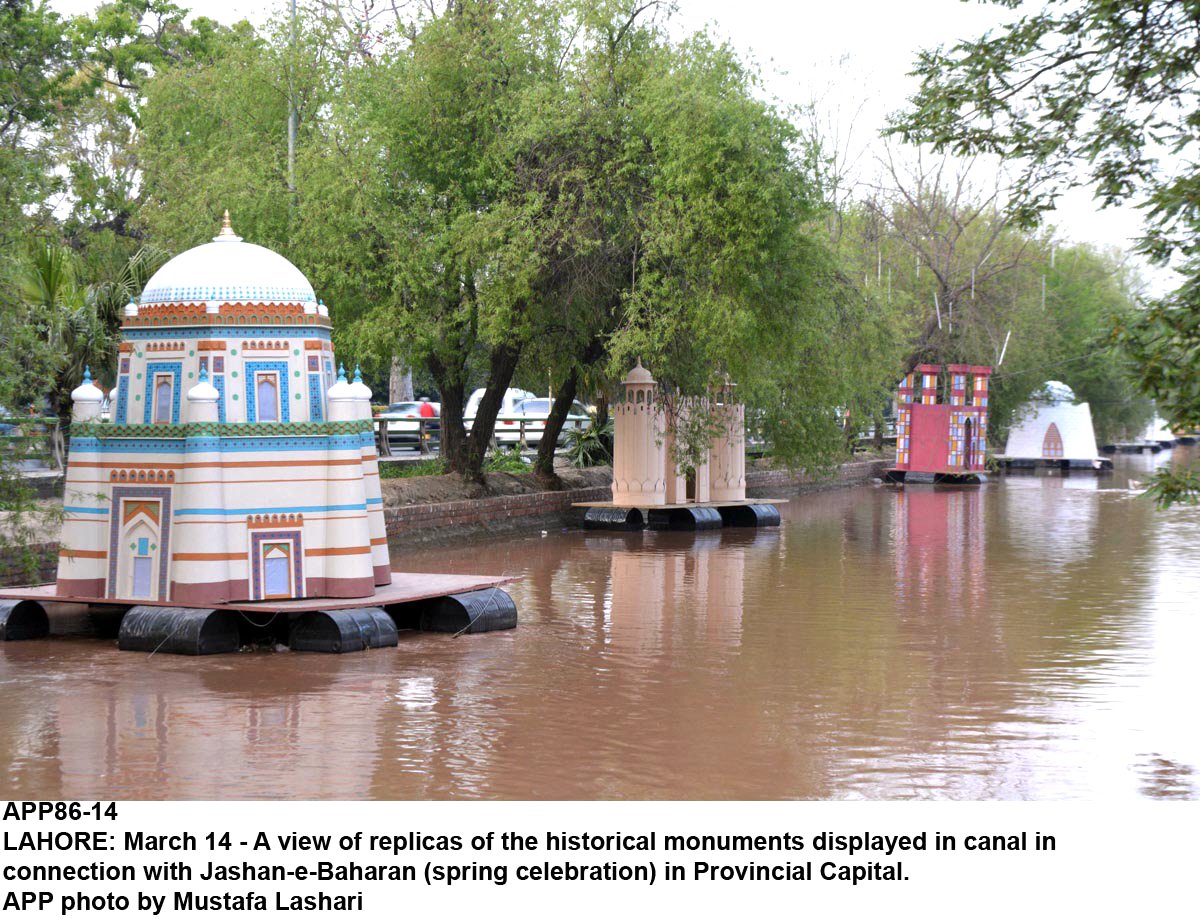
{"x":87,"y":391}
{"x":1056,"y":393}
{"x":359,"y":389}
{"x":340,"y":389}
{"x":203,"y":391}
{"x":228,"y":270}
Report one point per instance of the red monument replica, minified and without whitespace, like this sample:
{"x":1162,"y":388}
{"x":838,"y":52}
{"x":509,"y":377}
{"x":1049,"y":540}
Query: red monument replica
{"x":940,"y":440}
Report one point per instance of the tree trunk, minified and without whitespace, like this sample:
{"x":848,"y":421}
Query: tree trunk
{"x":400,"y":387}
{"x":601,"y":410}
{"x":453,"y":441}
{"x":502,"y":365}
{"x":544,"y":464}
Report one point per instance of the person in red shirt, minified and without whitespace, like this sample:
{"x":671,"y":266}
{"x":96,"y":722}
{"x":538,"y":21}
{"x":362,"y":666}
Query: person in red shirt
{"x":426,"y":409}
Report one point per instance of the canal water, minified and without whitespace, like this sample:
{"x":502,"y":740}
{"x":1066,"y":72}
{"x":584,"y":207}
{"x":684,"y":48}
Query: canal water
{"x":1034,"y":638}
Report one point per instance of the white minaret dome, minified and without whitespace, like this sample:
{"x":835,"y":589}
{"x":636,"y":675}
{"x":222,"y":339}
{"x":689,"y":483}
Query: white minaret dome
{"x":86,"y":399}
{"x":87,"y":391}
{"x":341,"y":389}
{"x":359,"y":389}
{"x":343,"y":406}
{"x":228,"y":270}
{"x":203,"y":391}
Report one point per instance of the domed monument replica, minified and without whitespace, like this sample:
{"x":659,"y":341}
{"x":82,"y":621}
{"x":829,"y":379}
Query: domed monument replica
{"x":237,"y":471}
{"x":235,"y":468}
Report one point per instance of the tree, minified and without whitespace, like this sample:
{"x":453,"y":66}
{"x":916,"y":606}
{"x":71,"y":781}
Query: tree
{"x":1101,"y":94}
{"x":37,"y":72}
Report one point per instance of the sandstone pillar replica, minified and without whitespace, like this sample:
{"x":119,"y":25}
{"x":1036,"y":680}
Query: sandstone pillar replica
{"x":648,"y":488}
{"x":727,"y":455}
{"x":639,"y":444}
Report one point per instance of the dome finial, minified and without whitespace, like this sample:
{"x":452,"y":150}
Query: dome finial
{"x":341,"y":373}
{"x":357,"y":374}
{"x":226,"y":230}
{"x":203,"y":373}
{"x":87,"y":373}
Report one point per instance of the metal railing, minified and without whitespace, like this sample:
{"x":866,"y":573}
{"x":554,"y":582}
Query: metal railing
{"x":429,"y":431}
{"x":34,"y":443}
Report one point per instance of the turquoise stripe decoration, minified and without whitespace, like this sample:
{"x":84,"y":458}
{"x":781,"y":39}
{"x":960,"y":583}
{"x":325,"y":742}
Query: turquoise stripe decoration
{"x":233,"y":512}
{"x":85,"y":510}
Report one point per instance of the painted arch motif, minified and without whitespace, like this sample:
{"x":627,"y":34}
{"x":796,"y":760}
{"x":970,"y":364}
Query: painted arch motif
{"x":139,"y":542}
{"x":1052,"y":443}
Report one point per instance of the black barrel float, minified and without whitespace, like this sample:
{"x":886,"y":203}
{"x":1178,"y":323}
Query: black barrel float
{"x":613,"y":518}
{"x":684,"y":518}
{"x":177,"y":630}
{"x":338,"y":631}
{"x":487,"y":610}
{"x":750,"y":515}
{"x":22,"y":619}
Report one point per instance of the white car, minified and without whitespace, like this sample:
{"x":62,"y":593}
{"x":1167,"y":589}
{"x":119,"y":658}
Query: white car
{"x":534,"y":412}
{"x":512,"y":398}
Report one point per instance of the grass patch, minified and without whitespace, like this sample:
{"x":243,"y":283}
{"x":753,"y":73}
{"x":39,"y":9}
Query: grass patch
{"x":496,"y":461}
{"x":411,"y":470}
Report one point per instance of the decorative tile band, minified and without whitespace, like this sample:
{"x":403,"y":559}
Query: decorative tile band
{"x":209,"y":429}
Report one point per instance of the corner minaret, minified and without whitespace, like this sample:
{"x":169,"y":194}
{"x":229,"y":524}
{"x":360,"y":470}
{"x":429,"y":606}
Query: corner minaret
{"x":639,"y":443}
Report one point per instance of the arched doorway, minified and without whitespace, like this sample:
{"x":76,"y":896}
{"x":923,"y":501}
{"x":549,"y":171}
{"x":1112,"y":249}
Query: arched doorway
{"x":1052,"y":443}
{"x":969,"y":444}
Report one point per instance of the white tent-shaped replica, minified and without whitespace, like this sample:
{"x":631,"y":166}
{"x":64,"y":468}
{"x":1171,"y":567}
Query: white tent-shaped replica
{"x":1159,"y":432}
{"x":1053,"y":430}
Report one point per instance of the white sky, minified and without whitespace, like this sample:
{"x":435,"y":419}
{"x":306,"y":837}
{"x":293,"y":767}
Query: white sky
{"x":851,"y":57}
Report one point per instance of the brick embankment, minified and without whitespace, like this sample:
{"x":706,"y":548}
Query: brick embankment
{"x":35,"y":564}
{"x":417,"y":524}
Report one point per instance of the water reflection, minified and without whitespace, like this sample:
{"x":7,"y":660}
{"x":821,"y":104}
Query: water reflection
{"x":1032,"y":638}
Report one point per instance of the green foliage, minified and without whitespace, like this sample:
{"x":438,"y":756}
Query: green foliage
{"x":1169,"y":487}
{"x":591,"y":446}
{"x":37,"y":68}
{"x":510,"y":460}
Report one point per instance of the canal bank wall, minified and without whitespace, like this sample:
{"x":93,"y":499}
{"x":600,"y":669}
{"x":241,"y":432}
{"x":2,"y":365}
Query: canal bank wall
{"x":433,"y":522}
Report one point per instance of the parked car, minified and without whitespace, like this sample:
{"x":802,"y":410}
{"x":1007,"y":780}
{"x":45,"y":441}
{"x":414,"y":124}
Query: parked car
{"x":404,"y":421}
{"x":534,"y":413}
{"x":512,"y":398}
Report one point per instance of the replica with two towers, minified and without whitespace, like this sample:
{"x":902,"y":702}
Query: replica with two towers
{"x":649,"y":489}
{"x":939,"y":440}
{"x":236,"y":469}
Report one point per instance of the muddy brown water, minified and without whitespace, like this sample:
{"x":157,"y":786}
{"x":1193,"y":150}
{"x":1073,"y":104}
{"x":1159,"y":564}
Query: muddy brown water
{"x":1033,"y":638}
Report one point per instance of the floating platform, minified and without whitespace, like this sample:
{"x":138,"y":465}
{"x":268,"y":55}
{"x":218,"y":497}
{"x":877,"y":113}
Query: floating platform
{"x":1154,"y":446}
{"x":1018,"y":463}
{"x":912,"y":477}
{"x":706,"y":515}
{"x":456,"y":603}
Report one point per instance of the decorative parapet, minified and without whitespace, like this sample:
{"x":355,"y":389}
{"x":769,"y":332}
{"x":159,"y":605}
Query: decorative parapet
{"x":196,"y":313}
{"x":102,"y":431}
